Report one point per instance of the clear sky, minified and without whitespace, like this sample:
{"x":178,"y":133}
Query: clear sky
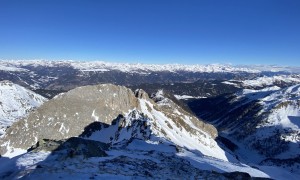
{"x":152,"y":31}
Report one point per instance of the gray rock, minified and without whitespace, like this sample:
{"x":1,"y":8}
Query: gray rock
{"x":68,"y":114}
{"x":72,"y":147}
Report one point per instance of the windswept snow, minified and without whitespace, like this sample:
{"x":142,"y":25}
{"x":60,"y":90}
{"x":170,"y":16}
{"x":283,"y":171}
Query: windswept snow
{"x":180,"y":136}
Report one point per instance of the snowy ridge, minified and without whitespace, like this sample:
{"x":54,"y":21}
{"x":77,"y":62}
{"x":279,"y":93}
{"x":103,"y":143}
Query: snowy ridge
{"x":263,"y":125}
{"x":102,"y":66}
{"x":267,"y":81}
{"x":282,"y":104}
{"x":279,"y":121}
{"x":166,"y":128}
{"x":285,"y":110}
{"x":15,"y":103}
{"x":156,"y":126}
{"x":273,"y":68}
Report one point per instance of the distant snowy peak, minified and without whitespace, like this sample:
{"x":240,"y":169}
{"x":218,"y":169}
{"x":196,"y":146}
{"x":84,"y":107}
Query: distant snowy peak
{"x":101,"y":66}
{"x":16,"y":102}
{"x":138,"y":67}
{"x":267,"y":81}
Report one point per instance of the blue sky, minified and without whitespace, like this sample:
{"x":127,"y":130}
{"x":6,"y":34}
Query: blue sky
{"x":156,"y":31}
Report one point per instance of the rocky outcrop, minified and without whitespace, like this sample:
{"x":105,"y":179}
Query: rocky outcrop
{"x":72,"y":147}
{"x":68,"y":114}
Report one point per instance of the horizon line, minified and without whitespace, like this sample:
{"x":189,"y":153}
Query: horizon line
{"x":143,"y":63}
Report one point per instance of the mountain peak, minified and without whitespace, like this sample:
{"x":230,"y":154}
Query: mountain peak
{"x":67,"y":115}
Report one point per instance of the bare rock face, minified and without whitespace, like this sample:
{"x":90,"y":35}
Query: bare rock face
{"x":68,"y":114}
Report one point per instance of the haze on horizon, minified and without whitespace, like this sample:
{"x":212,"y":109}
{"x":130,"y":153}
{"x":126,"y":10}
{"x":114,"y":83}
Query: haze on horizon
{"x":152,"y":32}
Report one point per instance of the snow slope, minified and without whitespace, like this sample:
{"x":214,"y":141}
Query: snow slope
{"x":281,"y":104}
{"x":16,"y":102}
{"x":139,"y":160}
{"x":153,"y":122}
{"x":275,"y":129}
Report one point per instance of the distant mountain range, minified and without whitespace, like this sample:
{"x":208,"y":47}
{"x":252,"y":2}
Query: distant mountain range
{"x":101,"y":66}
{"x":66,"y":75}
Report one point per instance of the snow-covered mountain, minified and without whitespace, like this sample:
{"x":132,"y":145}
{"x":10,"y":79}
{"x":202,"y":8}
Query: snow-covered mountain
{"x":264,"y":123}
{"x":68,"y":114}
{"x":282,"y":80}
{"x":20,"y":65}
{"x":266,"y":81}
{"x":15,"y":103}
{"x":109,"y":131}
